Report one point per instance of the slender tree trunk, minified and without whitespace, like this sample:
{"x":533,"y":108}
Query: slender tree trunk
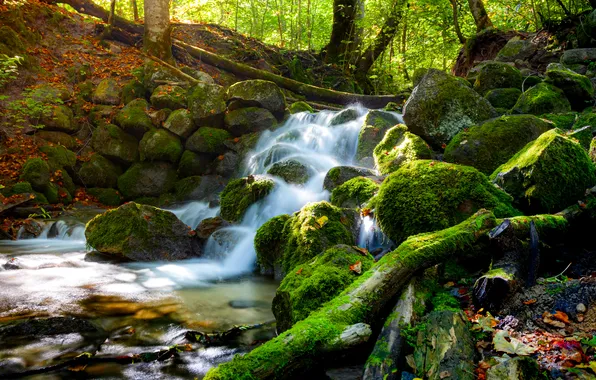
{"x":280,"y":16}
{"x":299,"y":24}
{"x":111,"y":21}
{"x":460,"y":36}
{"x":135,"y":10}
{"x":158,"y":31}
{"x":344,"y":17}
{"x":308,"y":24}
{"x":404,"y":44}
{"x":480,"y":15}
{"x":236,"y":18}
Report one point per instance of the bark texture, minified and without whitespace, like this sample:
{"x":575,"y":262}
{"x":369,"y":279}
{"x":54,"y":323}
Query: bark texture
{"x":157,"y":40}
{"x":343,"y":38}
{"x":480,"y":15}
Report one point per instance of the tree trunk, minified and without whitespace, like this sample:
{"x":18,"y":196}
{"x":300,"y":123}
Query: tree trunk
{"x":341,"y":43}
{"x":460,"y":36}
{"x":135,"y":10}
{"x":157,"y":40}
{"x":480,"y":16}
{"x":107,"y":32}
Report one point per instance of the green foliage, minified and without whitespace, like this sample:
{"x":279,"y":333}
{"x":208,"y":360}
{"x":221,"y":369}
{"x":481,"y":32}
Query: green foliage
{"x":9,"y":68}
{"x":31,"y":108}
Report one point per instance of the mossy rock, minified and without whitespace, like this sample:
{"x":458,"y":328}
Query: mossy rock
{"x":540,"y":99}
{"x":376,"y":124}
{"x":10,"y":42}
{"x":398,"y":147}
{"x":297,"y":71}
{"x":503,"y":97}
{"x":344,"y":116}
{"x":341,"y":174}
{"x":249,"y":120}
{"x":147,"y":179}
{"x":53,"y":93}
{"x":59,"y":157}
{"x":354,"y":193}
{"x":424,"y":196}
{"x":99,"y":172}
{"x":85,"y":90}
{"x":562,"y":120}
{"x":17,"y":188}
{"x":193,"y":164}
{"x":206,"y":103}
{"x":516,"y":49}
{"x":59,"y":138}
{"x":56,"y":194}
{"x":493,"y":143}
{"x":132,"y":90}
{"x":575,"y":56}
{"x":160,"y":145}
{"x":37,"y":172}
{"x":577,"y":88}
{"x":141,"y":233}
{"x":180,"y":123}
{"x":107,"y":197}
{"x":495,"y":75}
{"x":199,"y":188}
{"x":241,"y":193}
{"x":547,"y":175}
{"x":208,"y":140}
{"x":167,"y":96}
{"x":311,"y":284}
{"x":291,"y":171}
{"x":60,"y":119}
{"x":107,"y":92}
{"x":592,"y":151}
{"x":269,"y":244}
{"x":115,"y":144}
{"x":99,"y":114}
{"x":441,"y":107}
{"x":164,"y":200}
{"x":257,"y":93}
{"x":153,"y":73}
{"x":419,"y":73}
{"x":133,"y":118}
{"x":301,"y":106}
{"x":581,"y":135}
{"x":198,"y":74}
{"x":67,"y":182}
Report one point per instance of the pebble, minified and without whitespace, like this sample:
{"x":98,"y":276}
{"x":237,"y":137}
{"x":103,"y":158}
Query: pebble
{"x":580,"y":308}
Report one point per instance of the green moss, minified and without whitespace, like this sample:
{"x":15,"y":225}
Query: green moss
{"x":113,"y":143}
{"x":297,"y":72}
{"x":576,"y":87}
{"x":492,"y":143}
{"x":562,"y":120}
{"x":426,"y":195}
{"x":37,"y":172}
{"x":184,"y":188}
{"x":208,"y":140}
{"x":592,"y":151}
{"x":147,"y":179}
{"x":108,"y":197}
{"x":241,"y":193}
{"x":160,"y":145}
{"x":398,"y":147}
{"x":344,"y":116}
{"x":21,"y":187}
{"x":51,"y":194}
{"x":291,"y":171}
{"x":59,"y":157}
{"x":548,"y":174}
{"x":504,"y":98}
{"x":133,"y":118}
{"x":107,"y":92}
{"x":354,"y":193}
{"x":376,"y":124}
{"x":270,"y":243}
{"x":99,"y":172}
{"x":206,"y":104}
{"x":180,"y":123}
{"x":297,"y":107}
{"x":494,"y":75}
{"x":167,"y":96}
{"x":132,"y":90}
{"x":419,"y":73}
{"x":540,"y":99}
{"x":192,"y":164}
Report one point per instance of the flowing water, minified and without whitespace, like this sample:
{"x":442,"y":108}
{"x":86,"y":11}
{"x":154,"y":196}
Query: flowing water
{"x":154,"y":303}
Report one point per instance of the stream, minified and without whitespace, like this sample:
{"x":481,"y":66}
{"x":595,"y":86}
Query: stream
{"x":146,"y":307}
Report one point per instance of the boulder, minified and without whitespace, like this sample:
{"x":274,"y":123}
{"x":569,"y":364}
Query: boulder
{"x":493,"y":143}
{"x":107,"y":92}
{"x":208,"y":140}
{"x":309,"y":285}
{"x":241,"y":193}
{"x":547,"y":175}
{"x":575,"y":56}
{"x":354,"y":193}
{"x":51,"y":93}
{"x":291,"y":171}
{"x":441,"y":106}
{"x":198,"y":75}
{"x":115,"y":144}
{"x":577,"y":88}
{"x":398,"y":147}
{"x":108,"y":197}
{"x":60,"y":119}
{"x":153,"y":73}
{"x":59,"y":138}
{"x":210,"y":225}
{"x":269,"y":244}
{"x":37,"y":173}
{"x":503,"y":97}
{"x":141,"y":233}
{"x":341,"y":174}
{"x":198,"y":188}
{"x":561,"y":120}
{"x":376,"y":124}
{"x":147,"y":179}
{"x":227,"y":164}
{"x":99,"y":172}
{"x":192,"y":164}
{"x":517,"y":49}
{"x":180,"y":123}
{"x":344,"y":116}
{"x":424,"y":196}
{"x":257,"y":93}
{"x":494,"y":75}
{"x":160,"y":145}
{"x":35,"y":328}
{"x":541,"y":99}
{"x":167,"y":96}
{"x":99,"y":114}
{"x":297,"y":107}
{"x":206,"y":104}
{"x":249,"y":120}
{"x":521,"y":367}
{"x":132,"y":90}
{"x":59,"y":157}
{"x":133,"y":118}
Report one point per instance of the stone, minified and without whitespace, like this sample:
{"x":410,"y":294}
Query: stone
{"x":354,"y":193}
{"x":167,"y":96}
{"x":59,"y":138}
{"x":180,"y":123}
{"x":300,"y":106}
{"x":495,"y":75}
{"x":207,"y":105}
{"x":341,"y":174}
{"x":503,"y":97}
{"x":208,"y":140}
{"x":59,"y":157}
{"x":515,"y":49}
{"x":249,"y":120}
{"x":398,"y":147}
{"x":37,"y":172}
{"x":199,"y":188}
{"x":115,"y":144}
{"x":147,"y":179}
{"x":577,"y":88}
{"x":194,"y":164}
{"x":376,"y":124}
{"x":574,"y":56}
{"x":99,"y":172}
{"x":344,"y":116}
{"x":257,"y":93}
{"x":160,"y":145}
{"x":132,"y":90}
{"x":521,"y":367}
{"x":60,"y":119}
{"x":227,"y":164}
{"x":540,"y":99}
{"x":241,"y":193}
{"x":208,"y":226}
{"x":107,"y":92}
{"x":108,"y":197}
{"x":133,"y":118}
{"x":291,"y":171}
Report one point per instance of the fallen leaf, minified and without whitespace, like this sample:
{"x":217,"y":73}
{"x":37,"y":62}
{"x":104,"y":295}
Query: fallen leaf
{"x":322,"y":221}
{"x":561,"y":317}
{"x":503,"y":342}
{"x":299,"y":271}
{"x":357,"y":267}
{"x":530,"y":302}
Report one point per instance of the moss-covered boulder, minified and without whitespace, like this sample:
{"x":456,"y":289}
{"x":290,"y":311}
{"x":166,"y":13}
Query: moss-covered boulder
{"x":51,"y":93}
{"x":540,"y":99}
{"x":241,"y":193}
{"x":107,"y":92}
{"x":297,"y":107}
{"x":376,"y":124}
{"x":167,"y":96}
{"x":341,"y":174}
{"x":59,"y":157}
{"x":132,"y":90}
{"x":441,"y":106}
{"x":147,"y":179}
{"x":398,"y":147}
{"x":57,"y":194}
{"x":207,"y":105}
{"x":548,"y":174}
{"x":311,"y":284}
{"x":577,"y":88}
{"x":208,"y":140}
{"x":269,"y":244}
{"x":249,"y":120}
{"x":160,"y":145}
{"x":107,"y":197}
{"x":60,"y":119}
{"x":257,"y":93}
{"x":575,"y":56}
{"x":344,"y":116}
{"x":562,"y":120}
{"x":197,"y":188}
{"x":141,"y":233}
{"x":155,"y":74}
{"x":503,"y":97}
{"x":517,"y":49}
{"x":99,"y":172}
{"x":354,"y":193}
{"x":59,"y":138}
{"x":115,"y":144}
{"x":37,"y":173}
{"x":424,"y":196}
{"x":291,"y":171}
{"x":192,"y":164}
{"x":493,"y":143}
{"x":100,"y":114}
{"x":180,"y":123}
{"x":494,"y":75}
{"x":133,"y":118}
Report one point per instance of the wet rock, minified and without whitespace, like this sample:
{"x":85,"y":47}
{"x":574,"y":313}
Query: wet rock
{"x":241,"y":193}
{"x":399,"y":147}
{"x":194,"y":164}
{"x":291,"y":171}
{"x":376,"y":124}
{"x":167,"y":96}
{"x":13,"y":264}
{"x":199,"y":187}
{"x":210,"y":225}
{"x":61,"y":119}
{"x":147,"y":179}
{"x":257,"y":93}
{"x":207,"y":105}
{"x":160,"y":145}
{"x":133,"y":118}
{"x":300,"y":107}
{"x":115,"y":144}
{"x":344,"y":116}
{"x":495,"y":75}
{"x":341,"y":174}
{"x":107,"y":92}
{"x":354,"y":193}
{"x":514,"y":368}
{"x":249,"y":120}
{"x":577,"y":88}
{"x":540,"y":99}
{"x":208,"y":140}
{"x":227,"y":164}
{"x":99,"y":172}
{"x":30,"y":229}
{"x":249,"y":304}
{"x":49,"y":326}
{"x":180,"y":123}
